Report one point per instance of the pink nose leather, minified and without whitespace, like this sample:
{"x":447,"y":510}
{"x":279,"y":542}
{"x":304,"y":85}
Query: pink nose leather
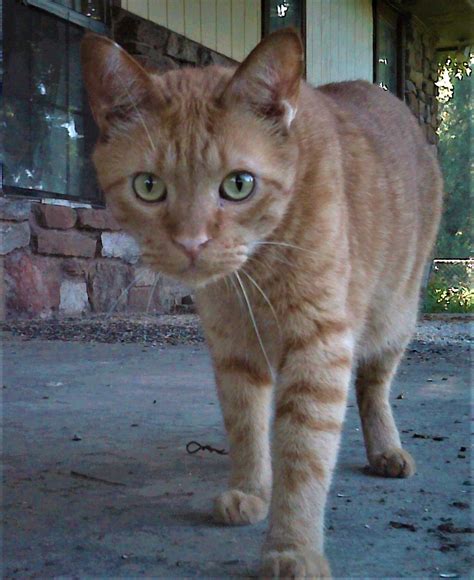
{"x":191,"y":246}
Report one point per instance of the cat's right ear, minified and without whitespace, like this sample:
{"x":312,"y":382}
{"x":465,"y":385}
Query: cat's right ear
{"x":268,"y":81}
{"x":115,"y":82}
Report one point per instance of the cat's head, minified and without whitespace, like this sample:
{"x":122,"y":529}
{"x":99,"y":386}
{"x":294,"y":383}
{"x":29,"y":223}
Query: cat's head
{"x":197,"y":164}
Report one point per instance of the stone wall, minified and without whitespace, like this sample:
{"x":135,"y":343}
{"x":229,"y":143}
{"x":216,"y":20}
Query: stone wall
{"x":61,"y":260}
{"x":157,"y":47}
{"x":421,"y":74}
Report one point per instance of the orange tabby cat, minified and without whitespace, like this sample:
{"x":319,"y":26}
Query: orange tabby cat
{"x":303,"y":218}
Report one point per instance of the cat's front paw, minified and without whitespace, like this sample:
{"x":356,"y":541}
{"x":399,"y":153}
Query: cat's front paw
{"x":236,"y":508}
{"x":294,"y":563}
{"x":395,"y":462}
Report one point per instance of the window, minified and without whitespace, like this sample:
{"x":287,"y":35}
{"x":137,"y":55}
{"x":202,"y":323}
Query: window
{"x":283,"y":13}
{"x":388,"y":48}
{"x":48,"y":130}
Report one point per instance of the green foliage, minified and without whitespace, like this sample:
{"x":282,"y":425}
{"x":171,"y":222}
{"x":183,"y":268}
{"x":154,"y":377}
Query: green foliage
{"x":440,"y":298}
{"x":455,"y":151}
{"x":450,"y":288}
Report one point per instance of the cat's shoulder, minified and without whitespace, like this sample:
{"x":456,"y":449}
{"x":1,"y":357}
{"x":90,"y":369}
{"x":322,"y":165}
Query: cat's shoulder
{"x":357,"y":91}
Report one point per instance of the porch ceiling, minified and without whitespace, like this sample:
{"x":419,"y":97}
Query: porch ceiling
{"x":451,"y":20}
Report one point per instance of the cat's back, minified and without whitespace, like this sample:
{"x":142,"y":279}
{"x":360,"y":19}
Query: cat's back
{"x":392,"y":188}
{"x":398,"y":151}
{"x":386,"y":121}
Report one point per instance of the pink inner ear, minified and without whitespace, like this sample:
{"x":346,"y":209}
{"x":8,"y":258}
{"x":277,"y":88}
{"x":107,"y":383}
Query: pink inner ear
{"x":268,"y":80}
{"x":115,"y":82}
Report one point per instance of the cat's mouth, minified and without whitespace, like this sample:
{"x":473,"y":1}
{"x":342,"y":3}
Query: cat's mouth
{"x":200,"y":273}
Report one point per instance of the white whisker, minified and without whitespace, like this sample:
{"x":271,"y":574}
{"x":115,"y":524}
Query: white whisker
{"x":231,"y":280}
{"x":285,"y":245}
{"x":265,"y":297}
{"x":274,"y":257}
{"x":254,"y":322}
{"x":127,"y":289}
{"x":150,"y":298}
{"x":152,"y":293}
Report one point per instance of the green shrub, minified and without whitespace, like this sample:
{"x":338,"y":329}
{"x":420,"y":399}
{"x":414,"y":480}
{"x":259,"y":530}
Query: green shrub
{"x":442,"y":298}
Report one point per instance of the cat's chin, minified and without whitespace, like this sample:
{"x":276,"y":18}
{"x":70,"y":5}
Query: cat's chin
{"x":198,"y":280}
{"x":196,"y":276}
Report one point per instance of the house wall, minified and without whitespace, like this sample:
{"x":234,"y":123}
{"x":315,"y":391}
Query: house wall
{"x":75,"y":260}
{"x":347,"y":27}
{"x":421,"y":74}
{"x":233,"y":28}
{"x":230,"y":27}
{"x":58,"y":259}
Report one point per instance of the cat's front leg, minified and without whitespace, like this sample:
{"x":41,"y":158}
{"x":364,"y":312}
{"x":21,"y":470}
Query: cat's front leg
{"x":245,"y":388}
{"x":310,"y":406}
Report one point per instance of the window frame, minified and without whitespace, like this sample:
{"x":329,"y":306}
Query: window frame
{"x":88,"y":24}
{"x":265,"y":20}
{"x":386,"y":9}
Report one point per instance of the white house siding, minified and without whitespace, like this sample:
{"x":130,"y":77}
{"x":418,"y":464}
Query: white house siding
{"x":231,"y":27}
{"x":339,"y":37}
{"x":339,"y":33}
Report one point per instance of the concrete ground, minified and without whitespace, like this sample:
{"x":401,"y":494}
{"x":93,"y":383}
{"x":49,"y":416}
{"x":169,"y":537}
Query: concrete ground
{"x":98,"y":482}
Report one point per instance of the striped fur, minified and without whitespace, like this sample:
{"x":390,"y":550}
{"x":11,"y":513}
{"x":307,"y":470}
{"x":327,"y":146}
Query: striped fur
{"x":313,"y":277}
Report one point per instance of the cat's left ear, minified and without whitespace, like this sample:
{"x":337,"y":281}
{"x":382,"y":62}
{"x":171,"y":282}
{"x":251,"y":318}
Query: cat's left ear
{"x":268,"y":81}
{"x":117,"y":85}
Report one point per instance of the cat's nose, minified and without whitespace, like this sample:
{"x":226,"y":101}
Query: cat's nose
{"x":191,"y":246}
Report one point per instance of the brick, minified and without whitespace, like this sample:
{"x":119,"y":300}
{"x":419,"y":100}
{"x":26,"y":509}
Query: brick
{"x":97,"y":219}
{"x":144,"y":276}
{"x":182,"y":49}
{"x":107,"y":283}
{"x":421,"y":95}
{"x":13,"y":236}
{"x":70,"y":243}
{"x":422,"y":111}
{"x":412,"y":102}
{"x":426,"y":68}
{"x":120,"y":245}
{"x":417,"y":78}
{"x":144,"y":299}
{"x":75,"y":266}
{"x":429,"y":87}
{"x":31,"y":284}
{"x":14,"y":209}
{"x":73,"y":297}
{"x":171,"y":293}
{"x":431,"y":135}
{"x":57,"y":217}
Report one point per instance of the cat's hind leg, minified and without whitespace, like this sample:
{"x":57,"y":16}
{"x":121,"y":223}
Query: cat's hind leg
{"x":382,"y":440}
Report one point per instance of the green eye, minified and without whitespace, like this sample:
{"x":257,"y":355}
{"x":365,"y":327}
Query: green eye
{"x":149,"y":187}
{"x":237,"y":186}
